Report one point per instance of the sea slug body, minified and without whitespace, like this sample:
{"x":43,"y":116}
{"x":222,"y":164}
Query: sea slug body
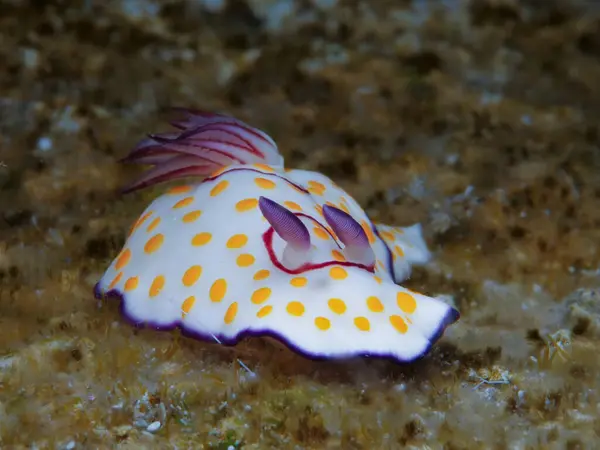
{"x":255,"y":249}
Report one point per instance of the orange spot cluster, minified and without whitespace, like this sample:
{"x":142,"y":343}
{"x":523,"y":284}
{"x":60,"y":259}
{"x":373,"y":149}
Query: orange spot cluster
{"x":344,"y":205}
{"x":262,"y":274}
{"x":245,"y":260}
{"x":179,"y":190}
{"x":362,"y":323}
{"x":153,"y":224}
{"x":264,"y":311}
{"x":140,"y":221}
{"x":298,"y":281}
{"x":115,"y":280}
{"x":264,"y":168}
{"x":406,"y":302}
{"x":295,"y":308}
{"x":154,"y":243}
{"x":321,"y":233}
{"x":192,"y":216}
{"x":187,"y":305}
{"x":260,"y":295}
{"x":246,"y":205}
{"x":191,"y":276}
{"x":398,"y":251}
{"x":219,"y":288}
{"x":314,"y":187}
{"x":337,"y":306}
{"x":398,"y":323}
{"x":374,"y":304}
{"x":219,"y":188}
{"x":322,"y":323}
{"x":368,"y":231}
{"x":292,"y":206}
{"x":123,"y":259}
{"x":390,"y":235}
{"x":338,"y":273}
{"x":217,"y":293}
{"x":264,"y":183}
{"x":219,"y":171}
{"x":231,"y":313}
{"x":237,"y":241}
{"x":157,"y":286}
{"x":132,"y":284}
{"x":183,"y":202}
{"x":201,"y":239}
{"x":387,"y":235}
{"x":338,"y":256}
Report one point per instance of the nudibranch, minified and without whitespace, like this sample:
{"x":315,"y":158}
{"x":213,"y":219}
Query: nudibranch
{"x":255,"y":249}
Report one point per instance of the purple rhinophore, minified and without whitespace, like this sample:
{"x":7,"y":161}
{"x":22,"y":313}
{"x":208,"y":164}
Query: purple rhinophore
{"x":285,"y":223}
{"x":345,"y":227}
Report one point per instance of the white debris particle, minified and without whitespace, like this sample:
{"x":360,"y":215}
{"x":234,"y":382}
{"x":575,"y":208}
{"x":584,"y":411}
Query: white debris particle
{"x":273,"y":12}
{"x":66,"y":122}
{"x":154,"y":427}
{"x":44,"y":144}
{"x":147,"y":412}
{"x":400,"y":387}
{"x":417,"y":189}
{"x":440,"y":221}
{"x":325,"y":4}
{"x":31,"y":57}
{"x":55,"y":236}
{"x":138,"y":9}
{"x":452,"y":159}
{"x":213,"y":6}
{"x":227,"y":70}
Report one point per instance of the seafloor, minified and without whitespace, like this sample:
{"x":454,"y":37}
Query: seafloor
{"x":478,"y":119}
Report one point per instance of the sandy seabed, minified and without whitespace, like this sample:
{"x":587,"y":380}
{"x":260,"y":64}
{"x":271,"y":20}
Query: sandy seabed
{"x":477,"y":119}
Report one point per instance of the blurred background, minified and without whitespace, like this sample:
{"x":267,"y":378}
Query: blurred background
{"x":476,"y":118}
